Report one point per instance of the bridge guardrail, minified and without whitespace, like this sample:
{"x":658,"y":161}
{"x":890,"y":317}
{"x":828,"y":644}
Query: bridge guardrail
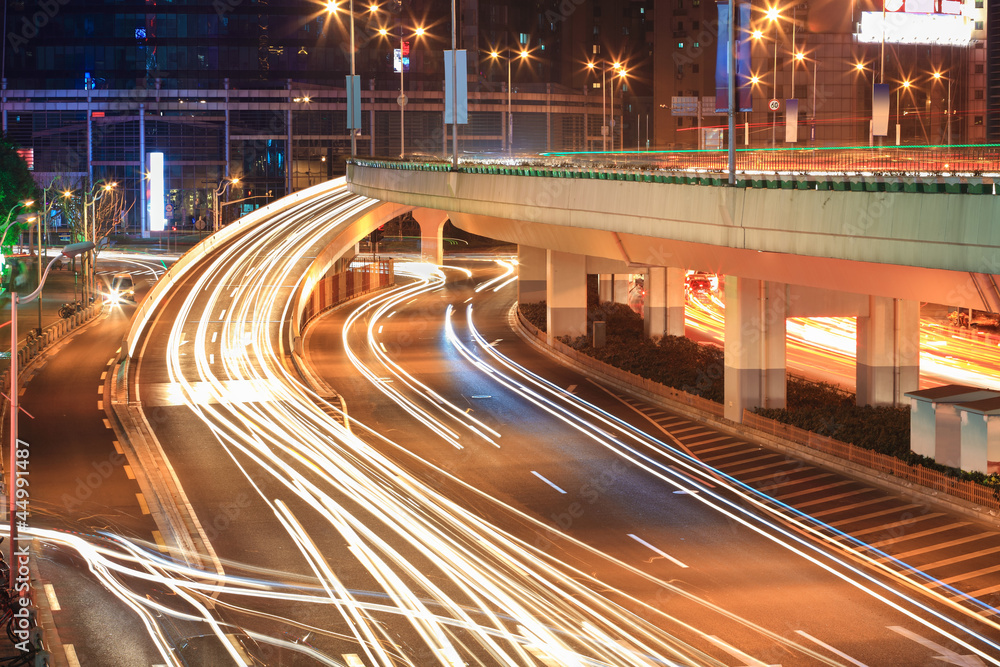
{"x":876,"y":170}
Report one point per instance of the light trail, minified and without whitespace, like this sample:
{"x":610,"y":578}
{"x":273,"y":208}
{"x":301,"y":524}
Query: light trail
{"x":441,"y":585}
{"x":825,"y":347}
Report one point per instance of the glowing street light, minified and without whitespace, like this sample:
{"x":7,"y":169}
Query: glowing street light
{"x":937,"y":77}
{"x":510,"y":118}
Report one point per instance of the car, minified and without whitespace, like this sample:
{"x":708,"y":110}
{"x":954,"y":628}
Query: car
{"x":701,"y":283}
{"x":122,"y":288}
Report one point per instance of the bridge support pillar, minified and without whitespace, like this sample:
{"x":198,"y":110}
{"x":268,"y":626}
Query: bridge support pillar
{"x":755,"y":345}
{"x":888,"y":346}
{"x":431,"y":223}
{"x":566,"y":294}
{"x":531,"y":268}
{"x":621,"y":288}
{"x":605,"y":287}
{"x":663,"y":307}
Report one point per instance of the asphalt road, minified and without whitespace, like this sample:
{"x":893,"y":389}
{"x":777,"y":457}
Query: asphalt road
{"x":475,"y":522}
{"x":737,"y":578}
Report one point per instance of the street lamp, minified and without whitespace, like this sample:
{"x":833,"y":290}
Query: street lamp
{"x":605,"y":131}
{"x":223,"y":186}
{"x":69,"y":251}
{"x":417,"y":32}
{"x":331,"y":7}
{"x":773,"y":16}
{"x":899,"y":113}
{"x":510,"y":118}
{"x":937,"y":77}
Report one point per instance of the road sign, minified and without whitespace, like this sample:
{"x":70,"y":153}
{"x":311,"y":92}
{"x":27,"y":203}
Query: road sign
{"x":401,"y":100}
{"x":169,"y":209}
{"x":774,"y":105}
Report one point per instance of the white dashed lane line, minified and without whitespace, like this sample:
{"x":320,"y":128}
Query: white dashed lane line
{"x":536,"y":474}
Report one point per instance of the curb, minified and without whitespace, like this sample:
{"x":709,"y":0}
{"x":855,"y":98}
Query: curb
{"x":850,"y":469}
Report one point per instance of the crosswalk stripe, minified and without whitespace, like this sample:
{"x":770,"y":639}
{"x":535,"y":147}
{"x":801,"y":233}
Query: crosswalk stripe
{"x":732,"y":455}
{"x":788,"y":482}
{"x":848,"y":494}
{"x":972,"y":575}
{"x":930,"y":531}
{"x":717,"y":448}
{"x":848,"y":508}
{"x":699,"y":443}
{"x":778,"y":471}
{"x":872,"y":515}
{"x":817,"y":489}
{"x":954,"y":559}
{"x":943,"y":545}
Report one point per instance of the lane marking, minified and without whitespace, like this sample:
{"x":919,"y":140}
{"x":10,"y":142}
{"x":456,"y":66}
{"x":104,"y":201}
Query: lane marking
{"x":662,"y":553}
{"x":71,"y":658}
{"x":107,"y":424}
{"x":941,"y":545}
{"x":104,"y":375}
{"x":100,"y":406}
{"x":158,"y":538}
{"x":352,"y":660}
{"x":945,"y":654}
{"x":535,"y":473}
{"x":142,"y":503}
{"x":100,"y":390}
{"x":571,"y":388}
{"x":110,"y":361}
{"x":118,"y":446}
{"x":380,"y":327}
{"x":50,"y":593}
{"x":128,"y":472}
{"x":832,"y":650}
{"x":211,"y":358}
{"x":214,"y":334}
{"x":222,"y":314}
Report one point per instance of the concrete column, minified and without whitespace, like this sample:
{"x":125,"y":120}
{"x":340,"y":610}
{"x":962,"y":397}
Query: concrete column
{"x":431,"y":233}
{"x":605,"y":287}
{"x":566,"y":294}
{"x":755,"y":345}
{"x":888,"y":347}
{"x":531,"y":270}
{"x":663,"y":309}
{"x":621,"y":288}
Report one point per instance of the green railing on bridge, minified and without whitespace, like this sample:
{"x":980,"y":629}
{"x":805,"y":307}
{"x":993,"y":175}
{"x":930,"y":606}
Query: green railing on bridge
{"x":921,"y":169}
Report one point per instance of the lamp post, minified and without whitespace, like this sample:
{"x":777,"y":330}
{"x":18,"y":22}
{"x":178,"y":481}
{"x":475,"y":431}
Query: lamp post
{"x":773,"y":15}
{"x":605,"y":129}
{"x":223,"y":186}
{"x":510,"y":118}
{"x":418,"y":32}
{"x":91,"y":257}
{"x":937,"y":77}
{"x":69,"y":251}
{"x":899,"y":112}
{"x":331,"y":7}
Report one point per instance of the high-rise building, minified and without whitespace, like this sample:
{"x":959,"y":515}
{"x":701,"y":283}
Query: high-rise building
{"x":931,"y":56}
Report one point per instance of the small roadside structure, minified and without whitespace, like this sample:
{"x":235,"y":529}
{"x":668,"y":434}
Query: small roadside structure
{"x":942,"y":425}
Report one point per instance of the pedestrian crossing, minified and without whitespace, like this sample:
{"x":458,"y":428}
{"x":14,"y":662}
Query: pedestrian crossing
{"x":936,"y":546}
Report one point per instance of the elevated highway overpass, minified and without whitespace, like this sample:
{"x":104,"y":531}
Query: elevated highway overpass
{"x":867,"y":245}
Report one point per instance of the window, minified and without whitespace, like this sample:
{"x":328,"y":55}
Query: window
{"x":978,"y":95}
{"x":680,"y":45}
{"x":979,"y":4}
{"x":696,"y":45}
{"x":694,"y":68}
{"x":680,"y":121}
{"x":977,"y":120}
{"x":979,"y":68}
{"x":695,"y":25}
{"x":680,"y":26}
{"x":979,"y":25}
{"x":523,"y":38}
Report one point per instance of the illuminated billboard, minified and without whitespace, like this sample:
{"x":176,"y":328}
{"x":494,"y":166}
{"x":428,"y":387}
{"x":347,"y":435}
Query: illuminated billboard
{"x":154,"y":192}
{"x":911,"y":27}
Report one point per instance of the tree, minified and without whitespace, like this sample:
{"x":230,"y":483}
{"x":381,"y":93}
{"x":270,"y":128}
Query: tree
{"x":16,"y":183}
